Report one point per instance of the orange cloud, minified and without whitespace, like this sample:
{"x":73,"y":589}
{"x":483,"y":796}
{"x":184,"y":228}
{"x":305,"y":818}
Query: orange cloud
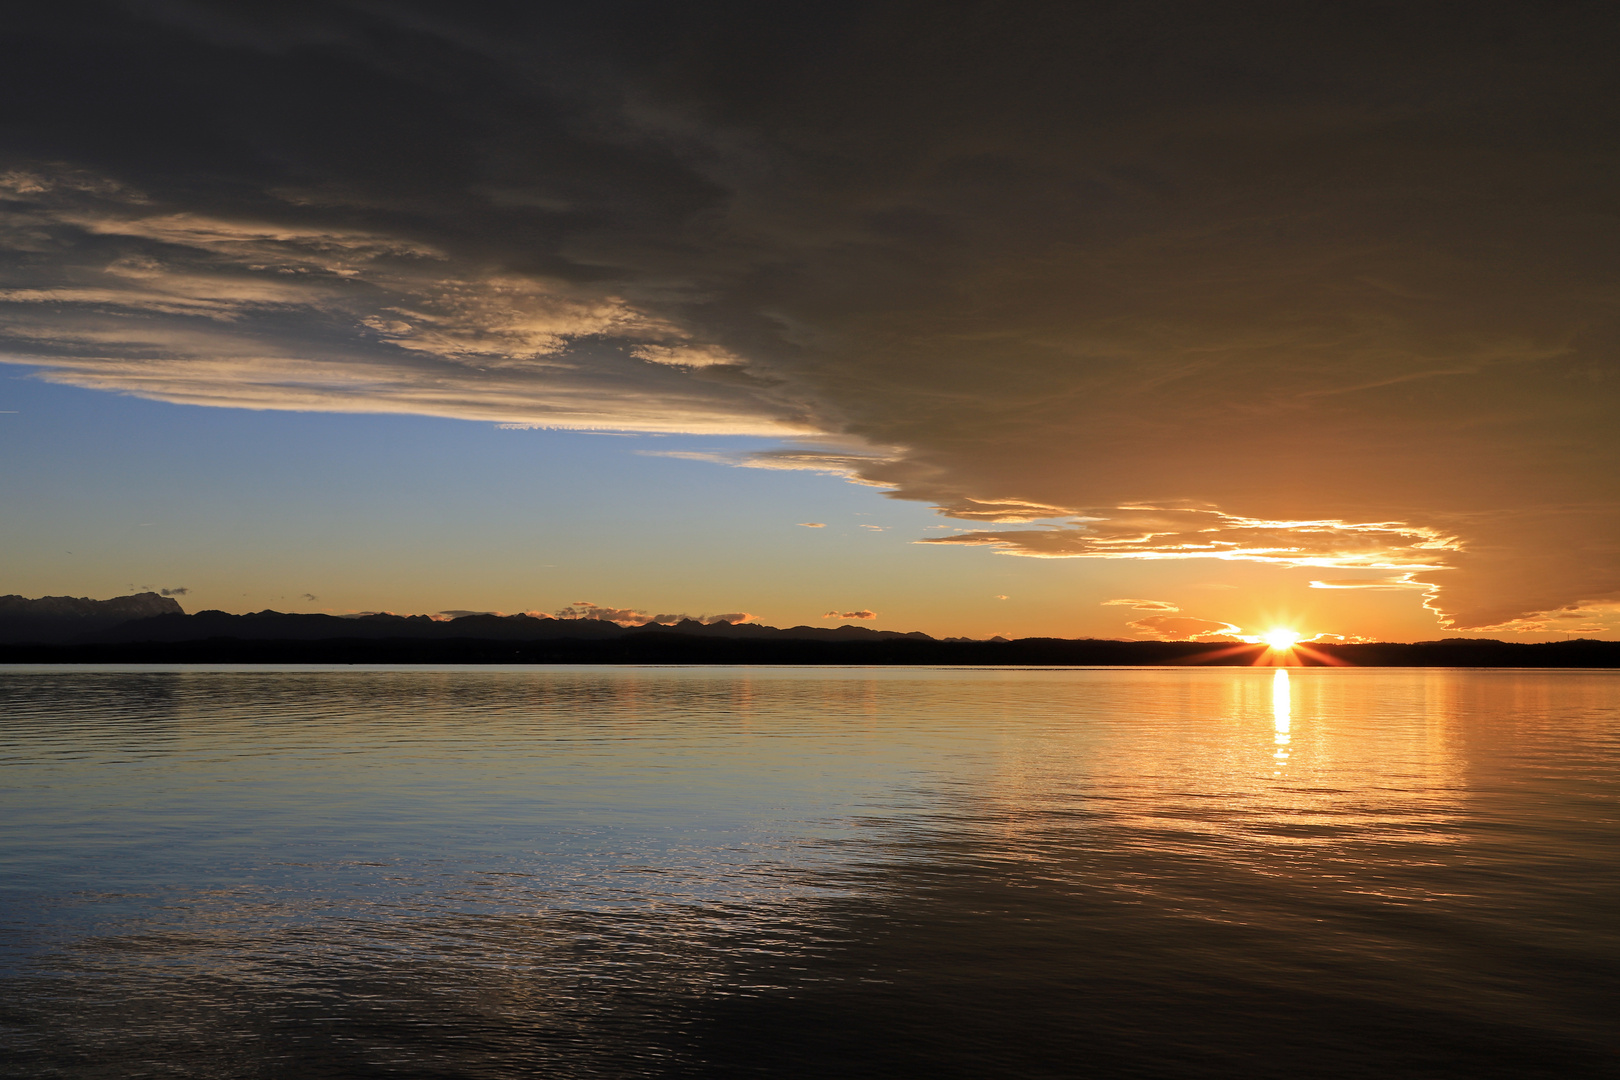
{"x":1146,"y":532}
{"x":1183,"y":628}
{"x":1142,"y":605}
{"x":1402,"y":581}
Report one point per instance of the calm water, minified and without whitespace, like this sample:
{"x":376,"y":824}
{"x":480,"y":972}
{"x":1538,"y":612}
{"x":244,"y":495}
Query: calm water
{"x":664,"y":872}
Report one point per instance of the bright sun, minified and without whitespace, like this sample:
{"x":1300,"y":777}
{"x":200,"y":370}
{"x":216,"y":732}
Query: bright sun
{"x":1281,"y":639}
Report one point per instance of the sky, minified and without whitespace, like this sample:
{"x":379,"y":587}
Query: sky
{"x":1116,"y":319}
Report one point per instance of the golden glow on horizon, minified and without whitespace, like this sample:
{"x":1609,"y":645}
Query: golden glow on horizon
{"x":1281,"y":640}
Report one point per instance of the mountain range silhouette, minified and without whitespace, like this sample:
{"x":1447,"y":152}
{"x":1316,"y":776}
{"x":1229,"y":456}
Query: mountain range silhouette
{"x":148,"y":628}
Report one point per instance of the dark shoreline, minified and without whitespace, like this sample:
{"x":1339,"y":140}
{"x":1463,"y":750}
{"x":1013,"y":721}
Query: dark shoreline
{"x":655,"y":647}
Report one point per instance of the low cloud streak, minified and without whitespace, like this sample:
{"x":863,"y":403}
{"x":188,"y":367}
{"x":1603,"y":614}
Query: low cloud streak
{"x":1185,"y":628}
{"x":1142,"y":605}
{"x":584,"y":609}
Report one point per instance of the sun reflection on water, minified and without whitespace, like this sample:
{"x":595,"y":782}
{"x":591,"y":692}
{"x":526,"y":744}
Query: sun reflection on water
{"x":1282,"y":716}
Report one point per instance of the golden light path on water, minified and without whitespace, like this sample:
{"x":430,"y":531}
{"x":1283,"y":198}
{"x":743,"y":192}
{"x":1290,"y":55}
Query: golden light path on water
{"x":1282,"y":716}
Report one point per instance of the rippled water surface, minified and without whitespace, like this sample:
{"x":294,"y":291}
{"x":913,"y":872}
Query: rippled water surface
{"x":717,"y":872}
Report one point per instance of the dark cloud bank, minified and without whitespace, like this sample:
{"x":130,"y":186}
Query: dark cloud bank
{"x":1322,"y":284}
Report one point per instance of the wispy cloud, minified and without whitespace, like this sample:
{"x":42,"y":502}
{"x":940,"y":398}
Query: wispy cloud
{"x":1142,"y":532}
{"x":1142,"y":605}
{"x":863,"y":613}
{"x":1185,"y":628}
{"x":794,"y":459}
{"x":1402,"y":581}
{"x":123,"y":294}
{"x":584,"y":609}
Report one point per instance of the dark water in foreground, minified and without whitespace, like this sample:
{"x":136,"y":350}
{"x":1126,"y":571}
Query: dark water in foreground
{"x":809,"y":873}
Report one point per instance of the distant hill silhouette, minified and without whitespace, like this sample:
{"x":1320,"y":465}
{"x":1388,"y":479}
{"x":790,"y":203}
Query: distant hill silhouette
{"x":277,"y":626}
{"x":76,"y":618}
{"x":148,"y":628}
{"x":148,"y":617}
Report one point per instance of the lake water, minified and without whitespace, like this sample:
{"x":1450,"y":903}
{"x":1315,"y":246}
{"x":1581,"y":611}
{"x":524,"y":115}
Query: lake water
{"x":783,"y":872}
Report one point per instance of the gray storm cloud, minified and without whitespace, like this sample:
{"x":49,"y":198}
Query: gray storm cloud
{"x":1326,"y":285}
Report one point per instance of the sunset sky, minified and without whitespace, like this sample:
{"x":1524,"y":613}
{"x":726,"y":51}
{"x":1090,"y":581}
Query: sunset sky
{"x":1124,"y":319}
